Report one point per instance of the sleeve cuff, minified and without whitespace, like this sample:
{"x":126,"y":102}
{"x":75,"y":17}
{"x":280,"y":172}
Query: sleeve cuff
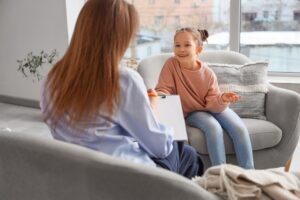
{"x":220,"y":100}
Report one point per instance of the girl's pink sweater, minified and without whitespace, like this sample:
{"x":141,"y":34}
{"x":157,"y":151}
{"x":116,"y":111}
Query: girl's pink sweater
{"x":198,"y":89}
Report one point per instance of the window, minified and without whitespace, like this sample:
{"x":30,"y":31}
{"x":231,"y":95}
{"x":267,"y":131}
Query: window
{"x":297,"y":15}
{"x":159,"y":22}
{"x":262,"y":30}
{"x":177,"y":21}
{"x":149,"y":51}
{"x":275,"y":39}
{"x":73,"y":8}
{"x":276,"y":17}
{"x":266,"y":14}
{"x":249,"y":16}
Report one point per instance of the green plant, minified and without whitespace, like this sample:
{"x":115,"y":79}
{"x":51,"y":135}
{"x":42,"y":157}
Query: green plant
{"x":32,"y":64}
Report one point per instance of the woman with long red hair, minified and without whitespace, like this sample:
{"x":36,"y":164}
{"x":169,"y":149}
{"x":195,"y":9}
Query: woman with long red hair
{"x":90,"y":100}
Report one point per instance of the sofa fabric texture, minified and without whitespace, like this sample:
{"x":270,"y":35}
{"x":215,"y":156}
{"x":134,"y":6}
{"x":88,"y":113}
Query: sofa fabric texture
{"x":249,"y":81}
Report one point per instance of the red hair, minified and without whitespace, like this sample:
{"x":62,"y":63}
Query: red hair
{"x":86,"y":79}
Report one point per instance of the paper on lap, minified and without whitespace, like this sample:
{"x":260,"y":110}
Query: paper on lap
{"x":171,"y":114}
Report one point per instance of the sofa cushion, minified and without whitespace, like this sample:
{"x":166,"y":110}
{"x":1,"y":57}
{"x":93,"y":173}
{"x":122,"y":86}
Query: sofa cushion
{"x":263,"y":134}
{"x":249,"y":81}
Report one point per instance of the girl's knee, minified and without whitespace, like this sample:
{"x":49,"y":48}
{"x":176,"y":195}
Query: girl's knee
{"x":241,"y":131}
{"x":240,"y":135}
{"x":215,"y":130}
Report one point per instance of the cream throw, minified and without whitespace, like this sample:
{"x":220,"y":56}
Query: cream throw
{"x":235,"y":183}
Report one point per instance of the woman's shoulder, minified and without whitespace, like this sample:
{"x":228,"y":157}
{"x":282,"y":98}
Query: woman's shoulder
{"x":131,"y":83}
{"x":129,"y":75}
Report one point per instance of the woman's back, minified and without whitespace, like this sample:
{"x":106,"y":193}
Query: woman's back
{"x":118,"y":136}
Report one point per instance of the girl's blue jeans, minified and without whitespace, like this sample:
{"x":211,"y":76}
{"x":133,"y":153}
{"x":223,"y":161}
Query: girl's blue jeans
{"x":212,"y":125}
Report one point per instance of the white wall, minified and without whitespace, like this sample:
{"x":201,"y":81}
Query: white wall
{"x":28,"y":25}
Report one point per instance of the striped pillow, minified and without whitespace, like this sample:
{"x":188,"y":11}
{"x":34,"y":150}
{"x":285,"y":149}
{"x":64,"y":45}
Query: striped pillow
{"x":249,"y":81}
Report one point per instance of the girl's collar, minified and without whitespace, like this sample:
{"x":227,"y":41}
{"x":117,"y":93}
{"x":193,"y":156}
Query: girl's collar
{"x":199,"y":64}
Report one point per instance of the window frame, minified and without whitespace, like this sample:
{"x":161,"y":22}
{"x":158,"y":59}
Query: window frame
{"x":235,"y":31}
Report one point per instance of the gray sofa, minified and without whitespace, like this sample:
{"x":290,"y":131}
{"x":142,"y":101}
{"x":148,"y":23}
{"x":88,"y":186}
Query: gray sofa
{"x":273,"y":140}
{"x":38,"y":168}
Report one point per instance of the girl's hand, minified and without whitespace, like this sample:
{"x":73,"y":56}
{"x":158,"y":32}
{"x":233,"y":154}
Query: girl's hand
{"x":230,"y":97}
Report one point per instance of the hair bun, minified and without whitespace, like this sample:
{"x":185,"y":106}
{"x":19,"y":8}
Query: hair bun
{"x":204,"y":34}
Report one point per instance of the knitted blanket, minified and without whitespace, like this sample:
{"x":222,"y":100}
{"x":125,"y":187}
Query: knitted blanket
{"x":235,"y":183}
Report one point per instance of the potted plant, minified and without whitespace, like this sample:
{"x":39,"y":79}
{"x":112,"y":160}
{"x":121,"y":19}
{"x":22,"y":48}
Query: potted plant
{"x":32,"y":65}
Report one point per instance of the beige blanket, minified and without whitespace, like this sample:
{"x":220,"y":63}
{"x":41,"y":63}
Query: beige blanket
{"x":235,"y":183}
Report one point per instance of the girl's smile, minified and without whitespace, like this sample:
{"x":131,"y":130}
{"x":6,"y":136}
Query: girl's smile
{"x":179,"y":55}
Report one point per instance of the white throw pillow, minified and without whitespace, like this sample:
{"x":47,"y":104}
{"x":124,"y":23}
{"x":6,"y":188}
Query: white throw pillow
{"x":248,"y":80}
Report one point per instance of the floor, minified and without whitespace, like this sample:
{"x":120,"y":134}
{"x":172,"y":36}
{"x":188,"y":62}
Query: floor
{"x":23,"y":120}
{"x":26,"y":120}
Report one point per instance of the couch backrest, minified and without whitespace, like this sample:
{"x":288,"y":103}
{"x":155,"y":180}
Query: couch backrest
{"x":33,"y":167}
{"x":149,"y":68}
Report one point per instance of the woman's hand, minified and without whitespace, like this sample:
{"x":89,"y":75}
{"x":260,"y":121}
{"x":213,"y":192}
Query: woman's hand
{"x":230,"y":97}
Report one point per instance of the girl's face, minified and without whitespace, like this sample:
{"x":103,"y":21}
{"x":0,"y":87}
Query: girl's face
{"x":186,"y":49}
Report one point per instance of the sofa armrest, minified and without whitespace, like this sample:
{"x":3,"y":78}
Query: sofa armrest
{"x":51,"y":165}
{"x":283,"y":109}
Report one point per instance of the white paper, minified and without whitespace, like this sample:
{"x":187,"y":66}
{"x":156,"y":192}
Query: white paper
{"x":171,"y":114}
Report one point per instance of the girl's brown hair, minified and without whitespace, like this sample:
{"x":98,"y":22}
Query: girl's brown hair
{"x":200,"y":35}
{"x":86,"y":79}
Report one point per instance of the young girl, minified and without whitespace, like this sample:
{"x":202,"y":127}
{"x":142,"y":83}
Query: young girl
{"x":89,"y":100}
{"x":204,"y":106}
